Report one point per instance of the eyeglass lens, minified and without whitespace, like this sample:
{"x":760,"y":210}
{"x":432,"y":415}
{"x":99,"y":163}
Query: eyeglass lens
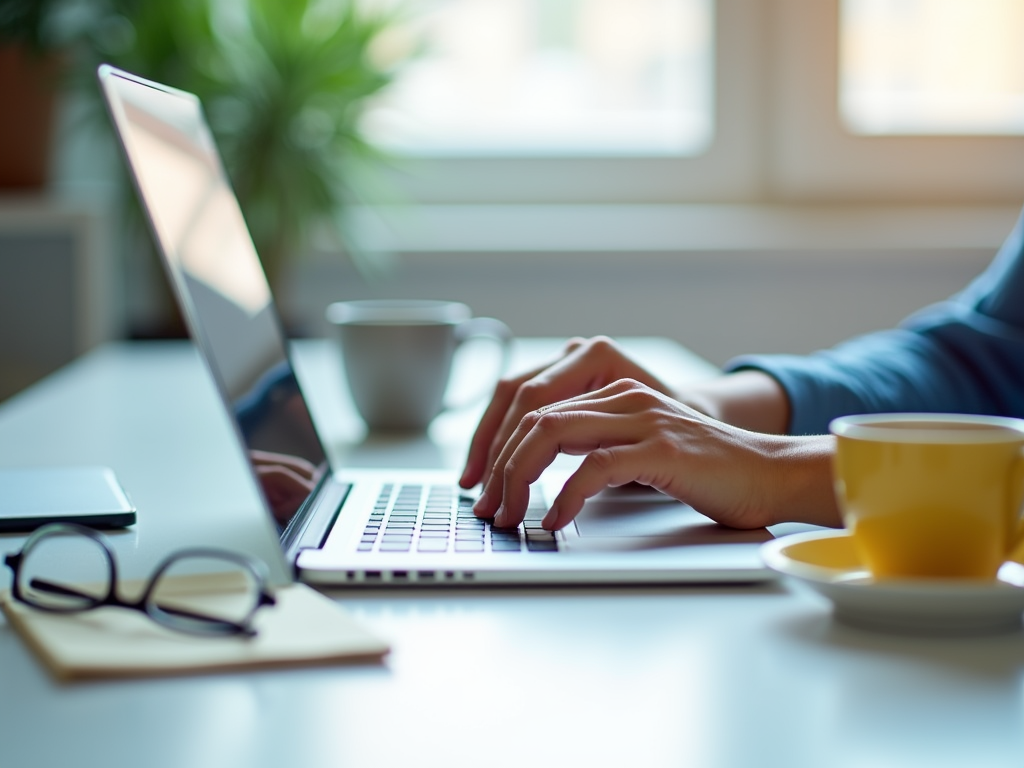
{"x":203,"y":594}
{"x":63,"y":570}
{"x":209,"y":592}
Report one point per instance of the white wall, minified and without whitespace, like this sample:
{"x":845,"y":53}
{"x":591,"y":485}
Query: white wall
{"x":720,"y":299}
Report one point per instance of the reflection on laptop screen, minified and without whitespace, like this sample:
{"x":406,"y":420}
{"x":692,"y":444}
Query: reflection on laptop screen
{"x":214,"y":268}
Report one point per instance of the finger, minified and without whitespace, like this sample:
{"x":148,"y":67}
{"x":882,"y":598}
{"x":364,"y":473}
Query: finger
{"x":587,"y":365}
{"x":295,"y":463}
{"x":485,"y":431}
{"x":285,"y":490}
{"x":577,"y":373}
{"x":565,"y":431}
{"x":602,"y":468}
{"x":481,"y":450}
{"x":284,"y":479}
{"x":624,"y":396}
{"x":484,"y":436}
{"x":574,"y":343}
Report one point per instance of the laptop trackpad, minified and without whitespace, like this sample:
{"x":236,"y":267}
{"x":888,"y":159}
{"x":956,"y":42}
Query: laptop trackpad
{"x":648,"y":519}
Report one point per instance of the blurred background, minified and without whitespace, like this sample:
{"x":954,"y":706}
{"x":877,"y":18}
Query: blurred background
{"x":740,"y":175}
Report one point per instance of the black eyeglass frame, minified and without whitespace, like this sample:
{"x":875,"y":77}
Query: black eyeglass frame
{"x":211,"y":625}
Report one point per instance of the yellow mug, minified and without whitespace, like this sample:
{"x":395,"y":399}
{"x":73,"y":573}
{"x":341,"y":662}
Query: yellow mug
{"x":931,"y":495}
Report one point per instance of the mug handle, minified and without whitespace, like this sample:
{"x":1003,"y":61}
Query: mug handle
{"x":482,"y":328}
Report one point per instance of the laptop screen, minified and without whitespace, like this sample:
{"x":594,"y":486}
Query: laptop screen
{"x":219,"y":281}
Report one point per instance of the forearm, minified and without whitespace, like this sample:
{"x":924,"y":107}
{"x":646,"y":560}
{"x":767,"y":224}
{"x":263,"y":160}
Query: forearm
{"x":949,"y":360}
{"x":748,"y":399}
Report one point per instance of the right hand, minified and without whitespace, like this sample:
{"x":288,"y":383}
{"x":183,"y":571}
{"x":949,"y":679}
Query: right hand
{"x":585,"y":365}
{"x":630,"y":433}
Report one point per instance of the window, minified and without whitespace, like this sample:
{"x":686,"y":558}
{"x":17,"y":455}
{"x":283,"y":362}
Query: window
{"x":932,"y":67}
{"x":554,"y":78}
{"x":816,"y":156}
{"x":810,"y":101}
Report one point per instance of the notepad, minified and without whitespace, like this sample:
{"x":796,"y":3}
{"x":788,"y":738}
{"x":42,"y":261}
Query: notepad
{"x":304,"y":628}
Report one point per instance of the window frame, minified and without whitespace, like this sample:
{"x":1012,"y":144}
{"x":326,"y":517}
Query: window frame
{"x":778,"y":138}
{"x":815,"y":157}
{"x":726,"y":170}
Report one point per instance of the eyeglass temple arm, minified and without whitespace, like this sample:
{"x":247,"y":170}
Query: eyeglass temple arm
{"x":240,"y":628}
{"x":48,"y":586}
{"x":57,"y":589}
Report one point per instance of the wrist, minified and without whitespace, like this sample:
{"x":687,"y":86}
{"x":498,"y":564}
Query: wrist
{"x":748,"y":399}
{"x":800,"y":486}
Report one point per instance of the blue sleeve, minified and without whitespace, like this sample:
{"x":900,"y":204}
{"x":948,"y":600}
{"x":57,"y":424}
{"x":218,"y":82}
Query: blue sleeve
{"x":963,"y":355}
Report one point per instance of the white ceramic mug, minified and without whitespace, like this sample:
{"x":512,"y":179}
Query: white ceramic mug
{"x":398,"y":356}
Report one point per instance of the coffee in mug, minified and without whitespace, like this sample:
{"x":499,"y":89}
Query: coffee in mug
{"x":398,"y":356}
{"x":931,"y":495}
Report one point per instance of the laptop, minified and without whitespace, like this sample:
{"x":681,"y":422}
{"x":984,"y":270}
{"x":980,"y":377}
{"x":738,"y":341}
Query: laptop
{"x":341,"y":526}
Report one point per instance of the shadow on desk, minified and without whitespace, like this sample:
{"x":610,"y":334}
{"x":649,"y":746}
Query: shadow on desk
{"x":995,"y":657}
{"x":580,"y":592}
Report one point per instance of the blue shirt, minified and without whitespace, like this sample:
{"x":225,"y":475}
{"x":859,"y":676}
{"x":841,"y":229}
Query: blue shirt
{"x":963,"y":355}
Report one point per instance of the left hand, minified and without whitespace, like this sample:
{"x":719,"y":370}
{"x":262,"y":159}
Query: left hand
{"x":630,"y":432}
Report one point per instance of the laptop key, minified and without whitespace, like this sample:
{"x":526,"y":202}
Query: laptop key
{"x":432,"y":545}
{"x":505,"y":546}
{"x":541,"y":546}
{"x":469,"y":546}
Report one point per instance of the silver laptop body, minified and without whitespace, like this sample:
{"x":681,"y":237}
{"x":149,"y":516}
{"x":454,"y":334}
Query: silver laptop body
{"x":365,"y":527}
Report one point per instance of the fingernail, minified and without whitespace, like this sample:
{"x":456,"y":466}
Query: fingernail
{"x":499,"y":516}
{"x":548,"y":523}
{"x":481,"y":502}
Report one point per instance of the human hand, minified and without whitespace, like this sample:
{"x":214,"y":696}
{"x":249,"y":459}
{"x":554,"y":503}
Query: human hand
{"x":630,"y":432}
{"x":584,"y":366}
{"x":286,"y":481}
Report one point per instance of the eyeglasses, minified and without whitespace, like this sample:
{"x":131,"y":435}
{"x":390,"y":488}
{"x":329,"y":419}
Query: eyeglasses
{"x":180,"y":595}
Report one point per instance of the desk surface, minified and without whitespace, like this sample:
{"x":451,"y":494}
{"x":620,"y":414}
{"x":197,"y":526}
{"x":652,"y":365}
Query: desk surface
{"x":699,"y":676}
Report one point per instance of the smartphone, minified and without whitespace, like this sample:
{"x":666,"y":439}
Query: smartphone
{"x":92,"y":496}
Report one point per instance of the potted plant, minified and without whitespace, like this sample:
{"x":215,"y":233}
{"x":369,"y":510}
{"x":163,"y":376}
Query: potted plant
{"x":30,"y":67}
{"x":283,"y":82}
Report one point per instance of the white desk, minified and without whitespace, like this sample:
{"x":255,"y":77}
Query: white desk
{"x":704,"y":677}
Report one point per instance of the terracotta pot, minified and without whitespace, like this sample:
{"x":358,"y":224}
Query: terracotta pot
{"x":28,"y":90}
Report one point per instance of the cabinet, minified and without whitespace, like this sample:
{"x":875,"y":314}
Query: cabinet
{"x":59,"y":294}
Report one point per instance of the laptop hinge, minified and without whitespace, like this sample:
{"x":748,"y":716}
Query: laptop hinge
{"x":309,"y":527}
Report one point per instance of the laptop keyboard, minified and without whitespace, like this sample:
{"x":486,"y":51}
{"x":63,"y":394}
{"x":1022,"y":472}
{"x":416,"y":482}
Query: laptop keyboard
{"x":439,"y":518}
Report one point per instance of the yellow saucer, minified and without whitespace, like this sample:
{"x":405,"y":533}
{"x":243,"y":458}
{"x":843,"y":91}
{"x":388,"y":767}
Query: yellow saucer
{"x":827,"y":563}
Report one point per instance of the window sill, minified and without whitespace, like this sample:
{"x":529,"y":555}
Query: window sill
{"x":456,"y":229}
